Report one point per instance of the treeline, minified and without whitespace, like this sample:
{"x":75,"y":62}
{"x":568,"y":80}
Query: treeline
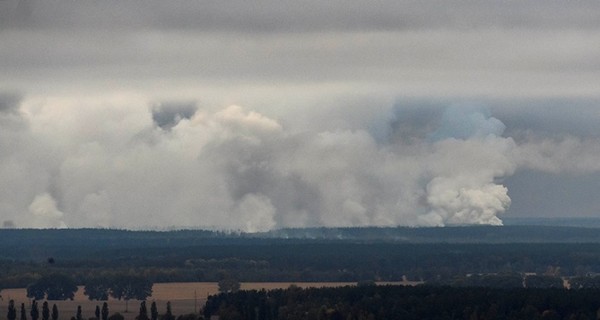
{"x":279,"y":260}
{"x":34,"y":312}
{"x":58,"y":286}
{"x":397,"y":302}
{"x":533,"y":233}
{"x":121,"y":286}
{"x":27,"y":243}
{"x":47,"y":313}
{"x":517,"y":280}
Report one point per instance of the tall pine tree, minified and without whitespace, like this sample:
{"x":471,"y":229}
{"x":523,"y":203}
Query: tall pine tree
{"x":45,"y":311}
{"x":105,"y":311}
{"x":12,"y":311}
{"x":143,"y":312}
{"x":35,"y":313}
{"x":54,"y":312}
{"x":23,"y":312}
{"x":169,"y":313}
{"x":153,"y":311}
{"x":79,"y":316}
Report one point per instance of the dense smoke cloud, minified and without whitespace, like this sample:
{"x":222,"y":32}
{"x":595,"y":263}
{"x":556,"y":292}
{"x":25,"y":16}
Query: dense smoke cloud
{"x":106,"y":165}
{"x":351,"y":113}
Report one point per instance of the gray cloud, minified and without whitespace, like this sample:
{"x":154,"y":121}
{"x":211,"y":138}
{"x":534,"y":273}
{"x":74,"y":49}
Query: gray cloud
{"x":410,"y":122}
{"x":550,"y":117}
{"x":167,"y":115}
{"x":241,"y":51}
{"x":15,"y":13}
{"x":301,"y":66}
{"x":524,"y":118}
{"x":8,"y":224}
{"x":539,"y":194}
{"x":285,"y":16}
{"x":9,"y":102}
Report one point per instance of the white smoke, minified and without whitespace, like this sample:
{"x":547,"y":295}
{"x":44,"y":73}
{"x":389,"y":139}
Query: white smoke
{"x":45,"y":213}
{"x":463,"y":190}
{"x":105,"y":165}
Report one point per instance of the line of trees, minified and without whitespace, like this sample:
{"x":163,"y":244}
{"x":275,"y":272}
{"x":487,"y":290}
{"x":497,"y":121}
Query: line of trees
{"x":517,"y":280}
{"x":34,"y":312}
{"x":57,"y":286}
{"x":100,"y":313}
{"x":54,"y":286}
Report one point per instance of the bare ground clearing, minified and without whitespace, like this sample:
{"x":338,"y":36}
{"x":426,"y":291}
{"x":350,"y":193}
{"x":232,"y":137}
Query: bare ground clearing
{"x":185,"y":297}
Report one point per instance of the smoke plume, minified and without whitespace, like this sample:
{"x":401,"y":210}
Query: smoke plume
{"x":178,"y":165}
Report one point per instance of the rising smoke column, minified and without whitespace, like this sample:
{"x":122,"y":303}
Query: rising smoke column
{"x":466,"y":192}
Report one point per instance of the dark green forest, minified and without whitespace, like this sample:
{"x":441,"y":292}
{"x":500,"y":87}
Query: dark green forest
{"x":397,"y":302}
{"x":186,"y":256}
{"x":32,"y":243}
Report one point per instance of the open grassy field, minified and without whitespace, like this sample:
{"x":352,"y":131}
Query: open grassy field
{"x":185,"y":297}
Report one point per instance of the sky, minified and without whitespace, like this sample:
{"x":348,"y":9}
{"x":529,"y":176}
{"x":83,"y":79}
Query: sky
{"x":258,"y":115}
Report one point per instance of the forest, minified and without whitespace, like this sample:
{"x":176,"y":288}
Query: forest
{"x":311,"y":261}
{"x":461,"y":276}
{"x":191,"y":256}
{"x":398,"y":302}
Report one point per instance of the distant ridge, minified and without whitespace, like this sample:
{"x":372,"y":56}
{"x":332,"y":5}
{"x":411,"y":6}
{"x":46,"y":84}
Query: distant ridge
{"x":515,"y":231}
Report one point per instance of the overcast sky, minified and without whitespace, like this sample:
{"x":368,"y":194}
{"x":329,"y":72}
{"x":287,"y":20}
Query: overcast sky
{"x":255,"y":115}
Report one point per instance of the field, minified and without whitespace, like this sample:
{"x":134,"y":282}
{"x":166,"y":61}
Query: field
{"x":185,"y":297}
